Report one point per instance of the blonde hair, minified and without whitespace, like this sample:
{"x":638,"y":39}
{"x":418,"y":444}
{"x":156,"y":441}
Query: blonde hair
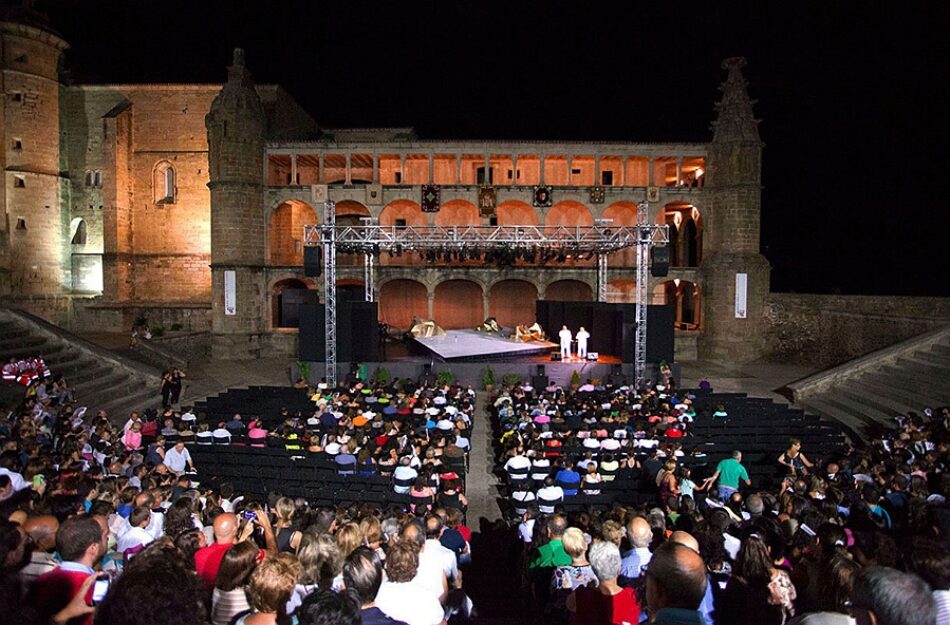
{"x":371,"y":529}
{"x":574,"y":542}
{"x":348,"y":537}
{"x":320,"y":559}
{"x":272,"y":583}
{"x":284,"y":510}
{"x":612,"y":532}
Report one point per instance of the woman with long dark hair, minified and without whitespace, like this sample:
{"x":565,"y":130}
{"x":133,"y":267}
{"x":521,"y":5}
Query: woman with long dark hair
{"x":757,"y":592}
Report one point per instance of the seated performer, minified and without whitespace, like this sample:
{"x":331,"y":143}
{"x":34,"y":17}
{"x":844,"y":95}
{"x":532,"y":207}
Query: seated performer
{"x":490,"y":325}
{"x":425,"y":328}
{"x":529,"y":333}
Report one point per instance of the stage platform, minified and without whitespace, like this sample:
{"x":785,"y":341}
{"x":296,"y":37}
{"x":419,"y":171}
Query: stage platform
{"x":472,"y":346}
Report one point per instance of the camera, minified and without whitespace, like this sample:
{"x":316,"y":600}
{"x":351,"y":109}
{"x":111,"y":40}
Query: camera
{"x":250,"y":515}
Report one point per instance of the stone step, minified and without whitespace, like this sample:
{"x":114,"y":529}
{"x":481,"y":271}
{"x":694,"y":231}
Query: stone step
{"x":140,"y":399}
{"x":941,"y":348}
{"x":107,"y":380}
{"x":912,"y":362}
{"x":873,"y":396}
{"x":929,"y":359}
{"x":844,"y":417}
{"x":28,"y":345}
{"x":867,"y":413}
{"x":914,"y":380}
{"x":912,"y":393}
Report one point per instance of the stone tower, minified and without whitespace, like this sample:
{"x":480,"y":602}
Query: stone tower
{"x":235,"y":154}
{"x":33,"y":232}
{"x":734,"y":329}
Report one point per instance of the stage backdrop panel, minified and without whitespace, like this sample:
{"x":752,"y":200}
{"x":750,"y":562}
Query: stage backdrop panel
{"x":357,"y":336}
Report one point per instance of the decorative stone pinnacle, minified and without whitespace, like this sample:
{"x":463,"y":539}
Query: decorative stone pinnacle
{"x":735,"y":121}
{"x":238,"y":59}
{"x":736,"y":62}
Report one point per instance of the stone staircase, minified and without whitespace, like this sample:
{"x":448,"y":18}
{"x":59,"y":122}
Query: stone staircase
{"x":865,"y":394}
{"x":101,"y":379}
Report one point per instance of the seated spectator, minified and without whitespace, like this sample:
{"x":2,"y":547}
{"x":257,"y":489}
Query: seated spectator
{"x":270,"y":587}
{"x":568,"y":578}
{"x":178,"y":459}
{"x":400,"y":596}
{"x":337,"y":608}
{"x":885,"y":596}
{"x":676,"y":584}
{"x":608,"y":602}
{"x":42,"y":530}
{"x":552,"y":553}
{"x":221,"y":435}
{"x":404,"y":476}
{"x":549,"y":496}
{"x":363,"y":576}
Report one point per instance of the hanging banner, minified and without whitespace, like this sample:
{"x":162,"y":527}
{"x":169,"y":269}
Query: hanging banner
{"x":742,"y":285}
{"x":230,"y":293}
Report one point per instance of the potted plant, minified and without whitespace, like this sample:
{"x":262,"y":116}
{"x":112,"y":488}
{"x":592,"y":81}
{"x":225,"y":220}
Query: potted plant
{"x":511,"y":379}
{"x":382,"y":376}
{"x":444,"y":378}
{"x":575,"y":380}
{"x":304,"y":368}
{"x":488,"y":379}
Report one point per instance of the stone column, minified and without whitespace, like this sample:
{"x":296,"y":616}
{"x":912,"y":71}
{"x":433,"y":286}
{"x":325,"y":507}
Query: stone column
{"x":570,"y":170}
{"x":293,"y":169}
{"x":430,"y":297}
{"x":650,"y":171}
{"x":487,"y":177}
{"x":375,"y":168}
{"x":485,"y":305}
{"x":542,"y":168}
{"x":597,"y":169}
{"x":623,"y":170}
{"x":679,"y":170}
{"x":349,"y":168}
{"x":431,"y":168}
{"x":321,"y":175}
{"x":458,"y":169}
{"x":514,"y":170}
{"x":402,"y":169}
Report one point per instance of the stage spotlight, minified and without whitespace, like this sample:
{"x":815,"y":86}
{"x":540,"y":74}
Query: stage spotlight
{"x":399,"y":249}
{"x":561,"y":257}
{"x":376,"y":250}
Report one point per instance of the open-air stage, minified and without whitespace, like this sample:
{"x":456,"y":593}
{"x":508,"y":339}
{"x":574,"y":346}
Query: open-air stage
{"x":473,"y":346}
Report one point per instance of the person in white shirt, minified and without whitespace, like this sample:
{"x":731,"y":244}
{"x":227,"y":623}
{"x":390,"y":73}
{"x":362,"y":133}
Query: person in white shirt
{"x":137,"y":536}
{"x":401,"y":596}
{"x":518,"y":466}
{"x":133,"y":419}
{"x":177,"y":459}
{"x":403,"y":477}
{"x":549,"y":495}
{"x":565,"y":336}
{"x":582,"y":336}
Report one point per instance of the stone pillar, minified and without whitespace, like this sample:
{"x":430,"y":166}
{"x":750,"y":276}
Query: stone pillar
{"x":349,"y":169}
{"x":514,"y":170}
{"x":570,"y":170}
{"x":650,"y":171}
{"x":402,"y":169}
{"x":321,"y":175}
{"x":623,"y":171}
{"x":596,"y":168}
{"x":485,"y":305}
{"x":293,"y":169}
{"x":731,"y":230}
{"x":542,"y":168}
{"x":487,"y":178}
{"x":430,"y":297}
{"x":431,"y":168}
{"x":679,"y":170}
{"x":375,"y":168}
{"x":458,"y":169}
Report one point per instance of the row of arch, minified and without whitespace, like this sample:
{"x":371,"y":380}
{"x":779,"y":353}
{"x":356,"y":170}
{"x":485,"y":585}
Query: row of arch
{"x":461,"y":303}
{"x":286,"y":222}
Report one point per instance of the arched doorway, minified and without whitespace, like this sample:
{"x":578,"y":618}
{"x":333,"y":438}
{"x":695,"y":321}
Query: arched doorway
{"x":512,"y":302}
{"x":685,"y":234}
{"x":458,"y":213}
{"x":286,"y":297}
{"x":569,"y":291}
{"x":458,"y":304}
{"x":514,"y":213}
{"x":685,"y":297}
{"x":400,"y":300}
{"x":285,"y":232}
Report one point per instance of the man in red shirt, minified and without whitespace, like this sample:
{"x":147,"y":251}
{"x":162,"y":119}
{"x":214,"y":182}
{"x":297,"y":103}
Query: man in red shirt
{"x":81,"y":542}
{"x":208,"y":559}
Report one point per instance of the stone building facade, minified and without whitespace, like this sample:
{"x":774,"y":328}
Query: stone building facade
{"x":136,"y":200}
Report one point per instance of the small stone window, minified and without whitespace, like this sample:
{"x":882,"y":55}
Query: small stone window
{"x":90,"y":179}
{"x":17,"y":145}
{"x":19,"y":182}
{"x":78,"y":227}
{"x":17,"y":96}
{"x":97,"y":179}
{"x":163,"y":183}
{"x":21,"y":223}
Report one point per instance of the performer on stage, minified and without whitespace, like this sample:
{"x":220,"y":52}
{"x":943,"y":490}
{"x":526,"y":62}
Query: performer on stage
{"x":582,"y":336}
{"x":566,"y":337}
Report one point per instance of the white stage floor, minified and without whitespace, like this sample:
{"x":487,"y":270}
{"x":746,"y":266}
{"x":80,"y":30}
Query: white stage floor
{"x":459,"y":344}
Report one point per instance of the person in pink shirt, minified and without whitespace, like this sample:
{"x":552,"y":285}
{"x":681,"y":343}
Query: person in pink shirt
{"x":132,"y":439}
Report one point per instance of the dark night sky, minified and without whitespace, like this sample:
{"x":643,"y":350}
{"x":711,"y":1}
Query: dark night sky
{"x":853,"y":96}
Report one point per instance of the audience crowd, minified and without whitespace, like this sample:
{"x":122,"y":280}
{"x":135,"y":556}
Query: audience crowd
{"x":859,"y":535}
{"x":108,"y":522}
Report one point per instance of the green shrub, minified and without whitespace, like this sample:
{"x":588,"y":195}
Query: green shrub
{"x":444,"y":378}
{"x":511,"y":379}
{"x":488,"y":377}
{"x":575,"y":378}
{"x":382,"y":376}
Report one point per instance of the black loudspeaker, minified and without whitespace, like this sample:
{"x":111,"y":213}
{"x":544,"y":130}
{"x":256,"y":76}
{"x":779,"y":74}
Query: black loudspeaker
{"x":540,"y":370}
{"x":312,"y":262}
{"x":539,"y":382}
{"x":660,"y":266}
{"x":660,"y":333}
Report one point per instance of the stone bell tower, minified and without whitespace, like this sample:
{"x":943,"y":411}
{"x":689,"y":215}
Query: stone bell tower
{"x":235,"y":151}
{"x":735,"y":274}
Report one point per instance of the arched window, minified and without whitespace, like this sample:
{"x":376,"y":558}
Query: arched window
{"x":78,"y":230}
{"x":163,"y":183}
{"x":97,"y":178}
{"x":90,"y":179}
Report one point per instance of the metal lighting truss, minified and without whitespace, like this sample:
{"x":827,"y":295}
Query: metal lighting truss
{"x":370,"y":240}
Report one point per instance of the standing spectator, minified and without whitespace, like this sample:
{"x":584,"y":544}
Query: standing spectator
{"x":640,"y":535}
{"x":729,"y":471}
{"x":552,"y":554}
{"x":229,"y":597}
{"x":931,"y":561}
{"x":608,"y":603}
{"x":271,"y":585}
{"x":42,"y":529}
{"x":176,"y":384}
{"x":165,"y":389}
{"x":81,"y":542}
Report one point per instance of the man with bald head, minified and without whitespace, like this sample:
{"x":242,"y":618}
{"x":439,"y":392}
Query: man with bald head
{"x":640,"y":535}
{"x":676,"y":584}
{"x":226,"y":528}
{"x":42,"y":529}
{"x":686,"y":539}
